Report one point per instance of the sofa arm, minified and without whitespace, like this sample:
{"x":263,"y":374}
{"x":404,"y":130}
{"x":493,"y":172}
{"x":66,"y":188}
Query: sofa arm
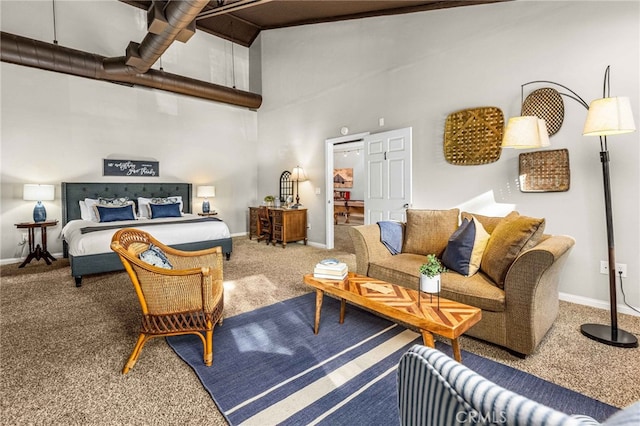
{"x":368,"y":247}
{"x":531,"y":292}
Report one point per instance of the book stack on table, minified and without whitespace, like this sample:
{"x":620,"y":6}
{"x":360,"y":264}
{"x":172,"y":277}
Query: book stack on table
{"x":331,"y":269}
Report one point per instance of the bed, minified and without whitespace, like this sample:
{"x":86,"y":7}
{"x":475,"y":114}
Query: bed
{"x":87,"y":244}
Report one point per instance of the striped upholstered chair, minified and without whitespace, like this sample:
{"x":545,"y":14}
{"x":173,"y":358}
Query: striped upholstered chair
{"x":435,"y":390}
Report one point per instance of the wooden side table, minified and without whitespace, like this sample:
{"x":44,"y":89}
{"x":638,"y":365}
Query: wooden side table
{"x":208,"y":214}
{"x":36,"y":251}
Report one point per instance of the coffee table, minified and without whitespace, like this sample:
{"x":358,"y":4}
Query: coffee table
{"x":428,"y":314}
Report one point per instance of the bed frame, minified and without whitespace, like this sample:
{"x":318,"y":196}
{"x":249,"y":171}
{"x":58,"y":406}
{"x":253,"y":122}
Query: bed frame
{"x":73,"y":192}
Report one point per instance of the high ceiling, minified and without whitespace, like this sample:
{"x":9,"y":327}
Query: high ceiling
{"x":242,"y":20}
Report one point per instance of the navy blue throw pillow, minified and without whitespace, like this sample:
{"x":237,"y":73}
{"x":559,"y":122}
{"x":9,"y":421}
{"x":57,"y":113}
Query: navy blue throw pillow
{"x":165,"y":210}
{"x":113,"y":214}
{"x":466,"y":246}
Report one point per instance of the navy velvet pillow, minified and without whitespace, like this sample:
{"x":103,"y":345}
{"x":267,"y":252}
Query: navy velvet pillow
{"x":165,"y":210}
{"x":113,"y":214}
{"x":466,"y":247}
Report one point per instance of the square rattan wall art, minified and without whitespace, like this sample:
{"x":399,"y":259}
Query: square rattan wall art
{"x":545,"y":171}
{"x":473,"y":136}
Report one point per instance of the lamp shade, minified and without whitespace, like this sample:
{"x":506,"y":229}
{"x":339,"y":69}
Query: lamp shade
{"x":609,"y":116}
{"x":525,"y":132}
{"x":34,"y":192}
{"x":298,"y":175}
{"x":206,"y":191}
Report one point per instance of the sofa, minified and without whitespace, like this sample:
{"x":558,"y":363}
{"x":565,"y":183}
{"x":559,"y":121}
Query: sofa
{"x":434,"y":390}
{"x":511,"y":272}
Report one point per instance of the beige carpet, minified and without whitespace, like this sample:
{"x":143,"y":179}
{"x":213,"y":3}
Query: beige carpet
{"x":62,"y":347}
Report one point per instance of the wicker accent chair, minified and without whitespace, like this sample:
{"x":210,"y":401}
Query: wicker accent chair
{"x":187,"y":299}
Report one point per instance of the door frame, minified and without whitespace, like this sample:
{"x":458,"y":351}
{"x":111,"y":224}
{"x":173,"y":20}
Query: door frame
{"x":329,"y":152}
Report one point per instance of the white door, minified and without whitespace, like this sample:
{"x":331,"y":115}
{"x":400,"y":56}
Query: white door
{"x":388,"y":175}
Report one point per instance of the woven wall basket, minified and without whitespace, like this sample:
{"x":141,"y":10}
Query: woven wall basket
{"x":545,"y":103}
{"x":545,"y":171}
{"x":473,"y":136}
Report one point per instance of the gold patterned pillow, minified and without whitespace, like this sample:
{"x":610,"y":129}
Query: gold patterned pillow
{"x":428,"y":231}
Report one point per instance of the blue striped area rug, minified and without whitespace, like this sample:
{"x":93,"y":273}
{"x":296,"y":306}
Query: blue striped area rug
{"x":269,"y":368}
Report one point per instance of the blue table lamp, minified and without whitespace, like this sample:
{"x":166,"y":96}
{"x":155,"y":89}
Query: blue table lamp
{"x":39,"y":193}
{"x":206,"y":192}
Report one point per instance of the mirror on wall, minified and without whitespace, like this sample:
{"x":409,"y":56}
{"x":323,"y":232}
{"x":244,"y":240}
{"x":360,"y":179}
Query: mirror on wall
{"x":286,"y":186}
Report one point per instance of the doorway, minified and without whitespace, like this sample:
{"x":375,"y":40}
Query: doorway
{"x":386,"y":180}
{"x":333,"y":146}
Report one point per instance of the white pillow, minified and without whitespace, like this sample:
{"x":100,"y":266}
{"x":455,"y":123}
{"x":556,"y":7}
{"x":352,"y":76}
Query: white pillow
{"x":85,"y":213}
{"x":89,"y":203}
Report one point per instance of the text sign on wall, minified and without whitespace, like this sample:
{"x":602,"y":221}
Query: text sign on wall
{"x":130,"y":168}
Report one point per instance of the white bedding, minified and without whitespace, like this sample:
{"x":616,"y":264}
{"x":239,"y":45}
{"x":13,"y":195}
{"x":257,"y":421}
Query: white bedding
{"x":168,"y":233}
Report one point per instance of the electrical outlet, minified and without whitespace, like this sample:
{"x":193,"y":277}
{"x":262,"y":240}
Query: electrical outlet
{"x":620,"y":267}
{"x":308,"y":226}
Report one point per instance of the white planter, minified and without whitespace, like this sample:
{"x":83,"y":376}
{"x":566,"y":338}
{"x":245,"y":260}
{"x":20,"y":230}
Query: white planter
{"x":430,"y":284}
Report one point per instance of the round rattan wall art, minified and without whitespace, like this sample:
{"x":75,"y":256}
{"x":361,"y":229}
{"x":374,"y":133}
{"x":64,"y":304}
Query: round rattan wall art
{"x":473,"y":136}
{"x":545,"y":103}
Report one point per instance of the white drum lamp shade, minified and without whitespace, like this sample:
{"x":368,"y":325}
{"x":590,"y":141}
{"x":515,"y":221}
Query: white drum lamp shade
{"x":39,"y":193}
{"x":609,"y":116}
{"x":206,"y":192}
{"x":526,"y":132}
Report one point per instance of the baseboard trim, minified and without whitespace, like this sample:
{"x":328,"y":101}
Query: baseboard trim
{"x":596,"y":303}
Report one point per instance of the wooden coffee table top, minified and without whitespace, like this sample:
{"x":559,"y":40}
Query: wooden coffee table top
{"x":448,"y":319}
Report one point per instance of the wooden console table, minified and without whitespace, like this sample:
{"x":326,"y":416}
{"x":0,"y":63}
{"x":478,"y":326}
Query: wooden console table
{"x":35,"y":251}
{"x":287,"y":225}
{"x":346,"y":207}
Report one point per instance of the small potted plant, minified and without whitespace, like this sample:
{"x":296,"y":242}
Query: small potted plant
{"x":269,"y":199}
{"x":430,"y":274}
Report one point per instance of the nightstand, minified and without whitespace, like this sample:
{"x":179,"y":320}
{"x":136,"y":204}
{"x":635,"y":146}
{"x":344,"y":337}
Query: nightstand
{"x":35,"y":251}
{"x":208,"y":214}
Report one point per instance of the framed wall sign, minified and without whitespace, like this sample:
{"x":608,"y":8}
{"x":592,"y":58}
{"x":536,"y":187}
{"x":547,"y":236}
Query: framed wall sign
{"x":130,"y":168}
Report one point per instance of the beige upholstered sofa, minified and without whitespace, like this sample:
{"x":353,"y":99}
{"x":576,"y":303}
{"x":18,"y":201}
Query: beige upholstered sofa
{"x":516,"y":284}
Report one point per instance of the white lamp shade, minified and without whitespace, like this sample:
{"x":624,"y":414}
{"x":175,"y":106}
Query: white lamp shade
{"x":298,"y":175}
{"x":526,"y":132}
{"x":34,"y":192}
{"x":206,"y":191}
{"x":609,"y":116}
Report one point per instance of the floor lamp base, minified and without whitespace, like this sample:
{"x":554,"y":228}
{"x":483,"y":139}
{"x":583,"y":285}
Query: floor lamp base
{"x":605,"y":334}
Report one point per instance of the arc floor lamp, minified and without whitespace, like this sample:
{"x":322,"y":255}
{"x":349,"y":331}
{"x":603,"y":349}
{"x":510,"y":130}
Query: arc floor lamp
{"x":605,"y":117}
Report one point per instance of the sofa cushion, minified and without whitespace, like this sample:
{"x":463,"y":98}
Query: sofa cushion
{"x":489,"y":223}
{"x":465,"y":248}
{"x":428,"y":231}
{"x":512,"y":235}
{"x":477,"y":290}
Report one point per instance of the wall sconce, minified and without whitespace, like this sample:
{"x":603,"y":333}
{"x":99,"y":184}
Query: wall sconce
{"x":206,"y":192}
{"x":39,"y":193}
{"x":605,"y":117}
{"x":298,"y":175}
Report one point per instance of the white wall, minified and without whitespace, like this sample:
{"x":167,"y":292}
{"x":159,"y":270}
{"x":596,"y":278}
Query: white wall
{"x":58,"y":128}
{"x":414,"y":70}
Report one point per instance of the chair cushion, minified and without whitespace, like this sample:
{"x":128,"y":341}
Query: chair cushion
{"x":465,"y":248}
{"x":428,"y":231}
{"x":156,"y":257}
{"x":511,"y":236}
